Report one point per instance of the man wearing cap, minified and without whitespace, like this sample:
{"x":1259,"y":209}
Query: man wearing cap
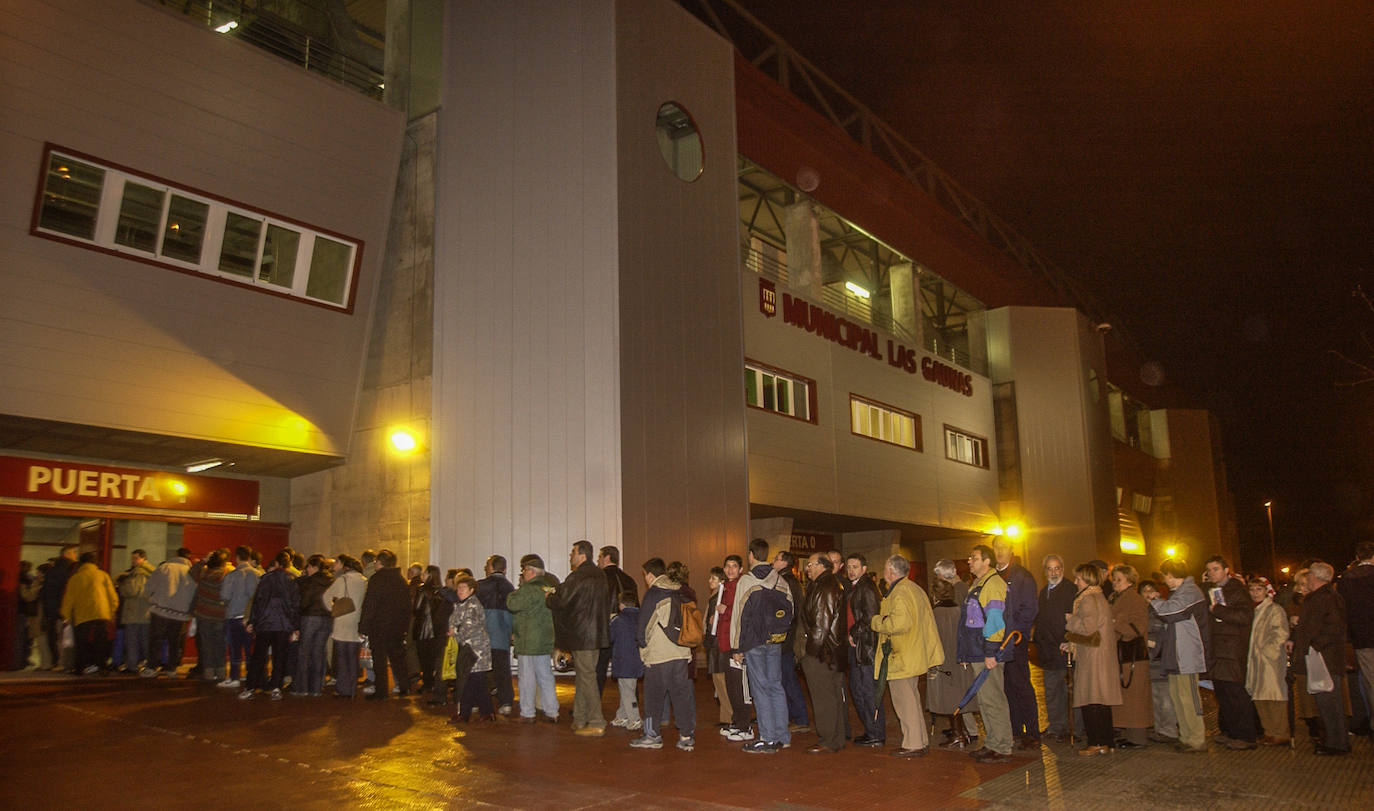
{"x":532,"y":639}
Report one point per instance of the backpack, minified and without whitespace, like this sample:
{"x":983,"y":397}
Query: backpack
{"x":767,"y":617}
{"x":689,"y":629}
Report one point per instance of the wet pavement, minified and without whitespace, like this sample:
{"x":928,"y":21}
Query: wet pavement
{"x":125,"y":742}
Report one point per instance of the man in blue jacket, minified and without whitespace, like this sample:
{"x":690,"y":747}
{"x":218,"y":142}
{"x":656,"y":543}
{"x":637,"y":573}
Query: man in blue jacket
{"x":492,"y":592}
{"x":1022,"y":607}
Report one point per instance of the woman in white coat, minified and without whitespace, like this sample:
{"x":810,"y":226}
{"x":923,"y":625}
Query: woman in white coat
{"x":1265,"y":676}
{"x":349,"y":586}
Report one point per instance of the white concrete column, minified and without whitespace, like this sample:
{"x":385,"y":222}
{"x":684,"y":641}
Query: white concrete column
{"x":906,"y":309}
{"x":803,"y":250}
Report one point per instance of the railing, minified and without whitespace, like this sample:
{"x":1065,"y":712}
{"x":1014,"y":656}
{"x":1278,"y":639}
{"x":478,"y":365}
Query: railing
{"x":770,"y":53}
{"x":248,"y":21}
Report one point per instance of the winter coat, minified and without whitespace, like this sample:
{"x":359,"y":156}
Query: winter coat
{"x":823,"y":617}
{"x":386,"y":607}
{"x":1096,"y":675}
{"x":1131,"y":619}
{"x":1321,"y":626}
{"x":1267,"y":670}
{"x":209,"y":602}
{"x":352,"y":585}
{"x":493,"y":592}
{"x":1356,"y":588}
{"x":728,"y":590}
{"x":617,"y":581}
{"x":1184,"y":613}
{"x":468,"y":625}
{"x":658,"y":614}
{"x":428,"y":604}
{"x":1054,"y":602}
{"x":171,"y":590}
{"x":581,"y":613}
{"x":946,"y":683}
{"x":90,"y":595}
{"x":237,"y":589}
{"x":625,"y":660}
{"x":1158,"y":634}
{"x":1230,"y":644}
{"x":312,"y":588}
{"x":1023,"y":605}
{"x":982,"y":626}
{"x":532,"y":625}
{"x":133,"y":594}
{"x":905,"y":619}
{"x":54,"y":586}
{"x":716,"y":659}
{"x":276,"y":603}
{"x":864,"y":604}
{"x":762,"y":576}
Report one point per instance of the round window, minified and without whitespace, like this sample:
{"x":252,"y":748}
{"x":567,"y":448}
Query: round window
{"x":679,"y":142}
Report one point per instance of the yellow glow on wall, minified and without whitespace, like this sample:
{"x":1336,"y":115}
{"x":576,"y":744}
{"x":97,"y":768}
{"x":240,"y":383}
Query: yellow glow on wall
{"x":403,"y":441}
{"x":1012,"y":530}
{"x":1132,"y":547}
{"x":178,"y":487}
{"x":1171,"y":552}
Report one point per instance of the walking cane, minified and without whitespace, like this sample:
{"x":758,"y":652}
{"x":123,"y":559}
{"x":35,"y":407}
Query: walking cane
{"x":1291,"y":679}
{"x":1068,"y":686}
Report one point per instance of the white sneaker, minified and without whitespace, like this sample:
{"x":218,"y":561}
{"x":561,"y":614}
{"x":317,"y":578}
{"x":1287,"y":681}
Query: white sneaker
{"x":504,"y":709}
{"x":725,"y":731}
{"x":369,"y":689}
{"x":148,"y":673}
{"x":740,"y":735}
{"x":635,"y":726}
{"x":90,"y":669}
{"x":246,"y":695}
{"x":228,"y":684}
{"x":276,"y":694}
{"x":620,"y":722}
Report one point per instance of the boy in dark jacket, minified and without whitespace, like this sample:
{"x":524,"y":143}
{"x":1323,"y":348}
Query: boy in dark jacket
{"x":274,"y":622}
{"x":627,"y":668}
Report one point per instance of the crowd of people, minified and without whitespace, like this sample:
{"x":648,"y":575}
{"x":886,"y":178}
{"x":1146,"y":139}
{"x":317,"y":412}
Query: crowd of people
{"x":1123,"y":657}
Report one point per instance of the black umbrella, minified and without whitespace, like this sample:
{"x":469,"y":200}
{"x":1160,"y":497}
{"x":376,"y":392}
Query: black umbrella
{"x":1011,"y":638}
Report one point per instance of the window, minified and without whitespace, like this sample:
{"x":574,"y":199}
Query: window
{"x":884,"y":423}
{"x":965,"y":447}
{"x":120,"y":211}
{"x":780,"y":392}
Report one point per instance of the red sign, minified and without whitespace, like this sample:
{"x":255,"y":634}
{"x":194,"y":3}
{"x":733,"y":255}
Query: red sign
{"x":805,"y":544}
{"x":816,"y":319}
{"x":55,"y":480}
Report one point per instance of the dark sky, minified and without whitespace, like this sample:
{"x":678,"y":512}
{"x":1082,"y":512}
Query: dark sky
{"x":1205,"y":169}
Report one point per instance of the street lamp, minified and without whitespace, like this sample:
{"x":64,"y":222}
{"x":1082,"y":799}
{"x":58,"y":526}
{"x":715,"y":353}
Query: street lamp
{"x":1269,"y":511}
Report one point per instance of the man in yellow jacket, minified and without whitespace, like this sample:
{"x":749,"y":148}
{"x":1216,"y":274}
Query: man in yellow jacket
{"x":907,"y":622}
{"x":88,"y":605}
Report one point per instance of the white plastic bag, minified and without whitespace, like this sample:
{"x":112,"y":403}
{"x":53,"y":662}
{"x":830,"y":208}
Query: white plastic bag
{"x":68,"y":635}
{"x":191,"y":629}
{"x":1318,"y":677}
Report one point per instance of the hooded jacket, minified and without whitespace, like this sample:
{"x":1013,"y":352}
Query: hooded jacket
{"x":171,"y":590}
{"x":532,"y":623}
{"x":762,"y":576}
{"x":1184,"y":613}
{"x":133,"y":594}
{"x":655,"y":616}
{"x":493,"y":591}
{"x":90,"y":596}
{"x":276,"y":603}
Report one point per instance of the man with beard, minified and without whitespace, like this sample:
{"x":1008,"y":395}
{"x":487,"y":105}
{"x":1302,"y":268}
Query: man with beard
{"x":822,"y":621}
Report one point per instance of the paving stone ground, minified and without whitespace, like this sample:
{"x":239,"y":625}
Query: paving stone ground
{"x":122,"y":742}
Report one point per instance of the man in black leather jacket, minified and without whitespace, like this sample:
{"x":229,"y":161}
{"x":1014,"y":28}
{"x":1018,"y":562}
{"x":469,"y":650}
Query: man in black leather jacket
{"x":384,"y":619}
{"x":827,"y":654}
{"x":864,"y":602}
{"x":581,"y":625}
{"x":617,"y":581}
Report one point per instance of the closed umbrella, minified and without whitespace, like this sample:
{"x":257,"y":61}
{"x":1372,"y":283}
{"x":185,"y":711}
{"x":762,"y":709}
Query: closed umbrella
{"x":1011,"y":638}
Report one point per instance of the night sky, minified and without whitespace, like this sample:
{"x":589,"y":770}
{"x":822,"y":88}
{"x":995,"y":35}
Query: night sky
{"x":1205,"y":169}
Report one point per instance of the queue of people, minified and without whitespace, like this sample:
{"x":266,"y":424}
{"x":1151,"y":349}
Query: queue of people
{"x":1123,"y":658}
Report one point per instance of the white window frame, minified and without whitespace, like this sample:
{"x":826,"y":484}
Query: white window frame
{"x":885,"y":423}
{"x":966,"y":448}
{"x":799,"y":391}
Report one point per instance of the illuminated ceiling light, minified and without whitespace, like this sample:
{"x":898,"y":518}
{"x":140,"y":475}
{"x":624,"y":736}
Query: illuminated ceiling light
{"x":176,"y":226}
{"x":1132,"y":547}
{"x":1012,"y":530}
{"x":196,"y":467}
{"x":403,"y":441}
{"x":227,"y":27}
{"x":857,"y":290}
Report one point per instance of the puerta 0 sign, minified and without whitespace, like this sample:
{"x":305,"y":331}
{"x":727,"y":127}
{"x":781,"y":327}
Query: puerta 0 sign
{"x":819,"y":321}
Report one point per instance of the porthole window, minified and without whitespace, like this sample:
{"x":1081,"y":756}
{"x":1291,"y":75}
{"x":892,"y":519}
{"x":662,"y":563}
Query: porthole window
{"x":679,"y":142}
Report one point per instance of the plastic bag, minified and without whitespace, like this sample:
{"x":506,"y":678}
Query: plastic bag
{"x":68,"y":635}
{"x":450,"y":671}
{"x":1318,"y":677}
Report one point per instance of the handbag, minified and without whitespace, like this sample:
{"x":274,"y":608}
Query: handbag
{"x":343,"y":605}
{"x":1318,"y":677}
{"x":1132,"y":650}
{"x":1092,"y":641}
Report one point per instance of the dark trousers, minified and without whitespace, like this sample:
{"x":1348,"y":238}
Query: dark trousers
{"x":310,"y":664}
{"x":669,"y":684}
{"x":603,"y":661}
{"x":1331,"y":708}
{"x":391,"y":651}
{"x":346,"y":667}
{"x":867,"y":703}
{"x":164,"y":642}
{"x":1098,"y":720}
{"x":92,"y":644}
{"x":1235,"y":711}
{"x":791,"y":687}
{"x":268,"y":643}
{"x":1021,"y":704}
{"x":475,"y":696}
{"x":734,"y":688}
{"x":827,"y":699}
{"x":240,"y":645}
{"x":500,"y":677}
{"x":431,"y":655}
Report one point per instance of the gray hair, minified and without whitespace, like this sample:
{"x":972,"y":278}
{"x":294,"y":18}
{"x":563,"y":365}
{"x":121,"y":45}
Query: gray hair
{"x":1321,"y":570}
{"x":945,"y":570}
{"x":899,"y":565}
{"x":1045,"y":564}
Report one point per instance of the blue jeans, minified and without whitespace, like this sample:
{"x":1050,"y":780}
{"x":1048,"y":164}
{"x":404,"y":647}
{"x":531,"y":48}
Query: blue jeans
{"x":764,"y":666}
{"x":536,"y":675}
{"x":862,"y":691}
{"x":240,"y":645}
{"x":135,"y":644}
{"x":791,"y":686}
{"x":310,"y":662}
